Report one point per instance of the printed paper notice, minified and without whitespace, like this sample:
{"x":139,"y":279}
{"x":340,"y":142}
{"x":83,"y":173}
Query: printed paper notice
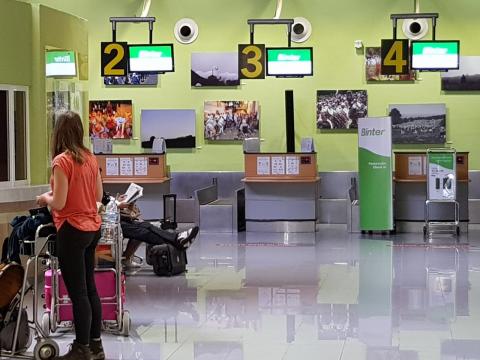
{"x":263,"y":165}
{"x":293,"y":165}
{"x":415,"y":166}
{"x":111,"y":165}
{"x":141,"y":166}
{"x":126,"y":167}
{"x":278,"y":165}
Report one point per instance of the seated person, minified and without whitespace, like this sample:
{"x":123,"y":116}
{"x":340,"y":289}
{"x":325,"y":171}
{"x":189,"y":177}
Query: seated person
{"x":138,"y":231}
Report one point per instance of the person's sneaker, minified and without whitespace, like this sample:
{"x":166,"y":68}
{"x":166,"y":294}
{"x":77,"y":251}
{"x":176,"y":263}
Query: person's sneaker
{"x":96,"y":348}
{"x":187,"y":237}
{"x":132,"y":263}
{"x":77,"y":352}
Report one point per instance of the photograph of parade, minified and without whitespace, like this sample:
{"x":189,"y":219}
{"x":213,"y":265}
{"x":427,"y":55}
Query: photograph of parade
{"x":418,"y":124}
{"x":214,"y":69}
{"x":467,"y":78}
{"x":132,"y":79}
{"x":231,"y":120}
{"x":373,"y":67}
{"x":111,"y":119}
{"x":341,"y":109}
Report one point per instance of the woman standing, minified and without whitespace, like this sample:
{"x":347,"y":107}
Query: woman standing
{"x":76,"y":187}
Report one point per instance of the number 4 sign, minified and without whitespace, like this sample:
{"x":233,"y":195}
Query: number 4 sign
{"x":395,"y":57}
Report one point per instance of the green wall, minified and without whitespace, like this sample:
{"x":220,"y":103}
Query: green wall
{"x":16,"y":40}
{"x":336,"y":24}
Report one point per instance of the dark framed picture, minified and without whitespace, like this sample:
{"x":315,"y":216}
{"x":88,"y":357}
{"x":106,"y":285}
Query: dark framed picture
{"x":341,"y":109}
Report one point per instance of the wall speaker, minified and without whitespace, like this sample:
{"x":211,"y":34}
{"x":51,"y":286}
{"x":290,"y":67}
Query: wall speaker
{"x":186,"y":31}
{"x":415,"y":29}
{"x":301,"y":30}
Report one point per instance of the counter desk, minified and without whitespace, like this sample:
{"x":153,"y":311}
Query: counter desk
{"x":281,"y":192}
{"x":410,"y":190}
{"x":146,"y":170}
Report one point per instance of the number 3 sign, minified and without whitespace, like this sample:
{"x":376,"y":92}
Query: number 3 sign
{"x":251,"y":61}
{"x":114,"y":59}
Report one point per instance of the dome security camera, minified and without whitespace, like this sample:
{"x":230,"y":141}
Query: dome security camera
{"x":186,"y":31}
{"x":301,"y":30}
{"x":415,"y":29}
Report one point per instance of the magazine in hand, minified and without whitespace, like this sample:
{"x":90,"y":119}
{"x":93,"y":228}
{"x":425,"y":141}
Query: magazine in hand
{"x":133,"y":193}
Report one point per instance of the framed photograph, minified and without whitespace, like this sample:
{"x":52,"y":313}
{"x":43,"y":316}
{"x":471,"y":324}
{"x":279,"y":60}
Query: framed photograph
{"x":419,"y":123}
{"x":231,"y":120}
{"x":177,"y":127}
{"x":373,"y":67}
{"x":214,"y":69}
{"x":111,"y":119}
{"x":341,"y":109}
{"x":467,"y":78}
{"x":132,"y":79}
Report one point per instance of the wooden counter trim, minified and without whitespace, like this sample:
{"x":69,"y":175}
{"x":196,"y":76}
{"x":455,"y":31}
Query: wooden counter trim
{"x":136,"y":180}
{"x":280,"y":180}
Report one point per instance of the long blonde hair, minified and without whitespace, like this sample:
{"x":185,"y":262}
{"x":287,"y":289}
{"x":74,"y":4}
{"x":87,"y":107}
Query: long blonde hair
{"x":68,"y":136}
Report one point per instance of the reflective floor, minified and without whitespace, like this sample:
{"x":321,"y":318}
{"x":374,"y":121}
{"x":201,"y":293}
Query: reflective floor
{"x":329,"y":295}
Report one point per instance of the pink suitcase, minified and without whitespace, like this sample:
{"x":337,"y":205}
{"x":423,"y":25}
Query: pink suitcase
{"x":105,"y":281}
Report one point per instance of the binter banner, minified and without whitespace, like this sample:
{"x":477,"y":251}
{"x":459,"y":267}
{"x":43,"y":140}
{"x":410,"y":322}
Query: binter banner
{"x":375,"y":173}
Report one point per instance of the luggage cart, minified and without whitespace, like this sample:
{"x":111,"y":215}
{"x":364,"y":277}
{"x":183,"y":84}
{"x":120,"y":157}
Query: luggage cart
{"x":441,"y":189}
{"x":58,"y":311}
{"x":45,"y":347}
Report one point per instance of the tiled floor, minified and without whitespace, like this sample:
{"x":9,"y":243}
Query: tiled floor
{"x":299,"y":296}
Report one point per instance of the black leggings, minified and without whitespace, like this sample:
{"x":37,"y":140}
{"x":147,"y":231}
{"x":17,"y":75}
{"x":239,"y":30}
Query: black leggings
{"x":76,"y":255}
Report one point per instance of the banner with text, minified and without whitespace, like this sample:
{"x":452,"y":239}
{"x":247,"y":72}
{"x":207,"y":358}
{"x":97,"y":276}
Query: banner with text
{"x":375,"y":173}
{"x":442,"y":175}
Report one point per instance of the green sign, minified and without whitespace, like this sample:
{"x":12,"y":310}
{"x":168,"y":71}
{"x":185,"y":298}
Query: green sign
{"x":151,"y":58}
{"x":60,"y":63}
{"x":435,"y":48}
{"x":375,"y":173}
{"x":289,"y":62}
{"x":441,"y":175}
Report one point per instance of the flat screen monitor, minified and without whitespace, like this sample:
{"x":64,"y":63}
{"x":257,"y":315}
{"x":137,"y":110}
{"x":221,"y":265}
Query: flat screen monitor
{"x":176,"y":126}
{"x":290,"y":62}
{"x":435,"y":55}
{"x":151,"y":58}
{"x":60,"y":63}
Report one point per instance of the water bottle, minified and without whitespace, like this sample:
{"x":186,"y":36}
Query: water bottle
{"x":110,"y":222}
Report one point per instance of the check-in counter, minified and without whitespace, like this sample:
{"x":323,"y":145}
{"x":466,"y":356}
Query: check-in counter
{"x":146,"y":170}
{"x":411,"y":189}
{"x":281,"y":192}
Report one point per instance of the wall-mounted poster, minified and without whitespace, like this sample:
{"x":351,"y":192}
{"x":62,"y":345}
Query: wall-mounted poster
{"x":467,"y":78}
{"x":110,"y":119}
{"x":341,"y":109}
{"x":231,"y":120}
{"x":418,"y":124}
{"x":177,"y":127}
{"x":132,"y":79}
{"x":215,"y":69}
{"x":373,"y":67}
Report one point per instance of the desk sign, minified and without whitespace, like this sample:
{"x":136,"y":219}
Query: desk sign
{"x":251,"y":61}
{"x":395,"y":57}
{"x":375,"y":173}
{"x":114,"y":59}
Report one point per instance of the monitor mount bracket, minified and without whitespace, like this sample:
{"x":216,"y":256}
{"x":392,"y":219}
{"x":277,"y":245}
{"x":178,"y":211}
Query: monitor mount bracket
{"x":253,"y":22}
{"x":134,"y":20}
{"x":432,"y":16}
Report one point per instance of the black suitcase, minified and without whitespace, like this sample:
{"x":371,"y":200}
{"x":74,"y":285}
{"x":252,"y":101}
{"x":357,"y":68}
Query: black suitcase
{"x":167,"y":260}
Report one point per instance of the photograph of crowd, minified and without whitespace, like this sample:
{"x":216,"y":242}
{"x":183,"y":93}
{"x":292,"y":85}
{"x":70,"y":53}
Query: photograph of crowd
{"x":231,"y":120}
{"x":467,"y":78}
{"x":341,"y":109}
{"x":373,"y":67}
{"x":132,"y":79}
{"x":111,"y":119}
{"x":418,"y":124}
{"x":214,"y":69}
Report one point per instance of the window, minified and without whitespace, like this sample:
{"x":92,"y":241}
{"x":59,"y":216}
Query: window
{"x":13,"y":135}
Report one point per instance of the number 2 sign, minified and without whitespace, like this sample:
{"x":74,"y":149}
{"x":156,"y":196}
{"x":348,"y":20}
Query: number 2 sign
{"x":114,"y":58}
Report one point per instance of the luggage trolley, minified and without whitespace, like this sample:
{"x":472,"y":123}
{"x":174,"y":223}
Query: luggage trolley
{"x":45,"y":347}
{"x":441,"y":189}
{"x":115,"y":318}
